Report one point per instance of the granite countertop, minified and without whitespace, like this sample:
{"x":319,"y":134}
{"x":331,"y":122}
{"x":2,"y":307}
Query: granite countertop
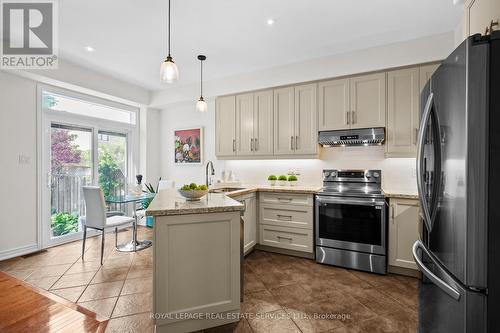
{"x":400,"y":194}
{"x":170,"y":202}
{"x":304,"y":189}
{"x":301,"y":189}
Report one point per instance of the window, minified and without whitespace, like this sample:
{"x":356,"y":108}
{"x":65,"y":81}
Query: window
{"x":56,"y":102}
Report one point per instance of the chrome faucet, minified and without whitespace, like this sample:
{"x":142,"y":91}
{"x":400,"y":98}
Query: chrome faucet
{"x":208,"y":180}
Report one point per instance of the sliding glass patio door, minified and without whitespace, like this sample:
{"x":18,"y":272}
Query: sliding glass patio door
{"x":79,"y":151}
{"x":71,"y":167}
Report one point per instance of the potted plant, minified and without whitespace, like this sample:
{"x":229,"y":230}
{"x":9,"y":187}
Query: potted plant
{"x":272,"y":180}
{"x":292,"y":179}
{"x":146,"y":202}
{"x":282,"y":179}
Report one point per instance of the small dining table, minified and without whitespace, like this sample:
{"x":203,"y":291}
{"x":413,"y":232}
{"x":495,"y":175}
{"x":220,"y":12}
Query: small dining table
{"x":134,"y":245}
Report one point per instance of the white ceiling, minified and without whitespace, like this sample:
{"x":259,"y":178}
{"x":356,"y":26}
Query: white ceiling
{"x":129,"y":36}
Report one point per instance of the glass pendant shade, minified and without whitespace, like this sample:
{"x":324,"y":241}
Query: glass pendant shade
{"x":201,"y":105}
{"x":169,"y":71}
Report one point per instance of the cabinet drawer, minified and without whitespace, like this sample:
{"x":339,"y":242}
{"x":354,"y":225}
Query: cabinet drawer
{"x":287,"y":216}
{"x":287,"y":198}
{"x":297,"y":239}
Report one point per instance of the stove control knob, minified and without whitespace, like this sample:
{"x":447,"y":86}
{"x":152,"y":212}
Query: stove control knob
{"x":376,"y":174}
{"x":326,"y":174}
{"x":368,"y":174}
{"x":333,"y":174}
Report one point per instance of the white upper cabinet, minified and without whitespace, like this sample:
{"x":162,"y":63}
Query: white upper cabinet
{"x":479,"y":14}
{"x":368,"y":101}
{"x":284,"y":121}
{"x":225,"y":126}
{"x":263,"y":123}
{"x":306,"y":130}
{"x":244,"y":124}
{"x":334,"y":104}
{"x":356,"y":102}
{"x":403,"y":108}
{"x":295,"y":120}
{"x":425,"y":74}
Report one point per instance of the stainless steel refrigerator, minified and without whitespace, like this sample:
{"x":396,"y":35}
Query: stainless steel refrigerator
{"x":458,"y":177}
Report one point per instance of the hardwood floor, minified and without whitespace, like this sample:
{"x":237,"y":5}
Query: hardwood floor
{"x":24,"y":308}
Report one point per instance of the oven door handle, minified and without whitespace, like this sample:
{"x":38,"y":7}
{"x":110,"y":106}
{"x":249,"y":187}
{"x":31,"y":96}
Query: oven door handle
{"x":322,"y":200}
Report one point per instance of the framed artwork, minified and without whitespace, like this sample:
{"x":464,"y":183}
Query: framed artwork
{"x":188,"y":146}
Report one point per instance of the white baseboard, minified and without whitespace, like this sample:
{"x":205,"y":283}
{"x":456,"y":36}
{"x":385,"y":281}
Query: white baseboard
{"x":18,"y":251}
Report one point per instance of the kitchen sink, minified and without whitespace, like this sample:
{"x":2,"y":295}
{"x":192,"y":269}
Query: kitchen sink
{"x":226,"y":189}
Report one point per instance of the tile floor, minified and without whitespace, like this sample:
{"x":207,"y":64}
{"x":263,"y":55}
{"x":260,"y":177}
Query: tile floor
{"x":120,"y":289}
{"x":282,"y":293}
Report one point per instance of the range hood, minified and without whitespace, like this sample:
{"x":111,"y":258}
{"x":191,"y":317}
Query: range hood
{"x":352,"y":137}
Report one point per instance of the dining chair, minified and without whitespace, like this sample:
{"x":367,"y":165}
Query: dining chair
{"x":96,"y":217}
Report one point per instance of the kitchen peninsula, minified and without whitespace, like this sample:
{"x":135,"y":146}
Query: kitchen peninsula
{"x":197,"y":261}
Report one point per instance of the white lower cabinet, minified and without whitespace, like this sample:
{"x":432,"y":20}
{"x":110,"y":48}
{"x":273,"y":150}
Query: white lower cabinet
{"x":403,"y":231}
{"x":286,"y":238}
{"x":286,"y":221}
{"x":249,"y":221}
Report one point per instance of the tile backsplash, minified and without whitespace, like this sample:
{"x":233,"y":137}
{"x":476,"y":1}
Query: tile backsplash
{"x":398,"y":174}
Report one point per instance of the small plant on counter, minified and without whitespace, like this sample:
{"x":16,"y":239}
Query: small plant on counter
{"x":292,"y":179}
{"x":282,"y":179}
{"x":272,"y":180}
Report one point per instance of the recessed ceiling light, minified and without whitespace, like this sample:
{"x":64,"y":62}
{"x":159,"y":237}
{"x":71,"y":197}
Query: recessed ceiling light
{"x":270,"y":21}
{"x":89,"y":49}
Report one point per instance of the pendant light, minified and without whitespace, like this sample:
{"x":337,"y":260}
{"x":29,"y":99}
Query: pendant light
{"x":168,"y":70}
{"x":201,"y":105}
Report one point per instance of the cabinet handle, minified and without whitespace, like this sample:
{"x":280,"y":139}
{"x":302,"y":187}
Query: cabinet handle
{"x":287,"y":238}
{"x":285,"y":199}
{"x":234,"y":145}
{"x":284,"y":217}
{"x":255,"y":144}
{"x":347,"y":117}
{"x":251,"y":144}
{"x":291,"y":142}
{"x":392,"y":213}
{"x":353,"y":117}
{"x":415,"y":136}
{"x":297,"y":142}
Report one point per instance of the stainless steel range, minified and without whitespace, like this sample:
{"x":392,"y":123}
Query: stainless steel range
{"x":350,"y":217}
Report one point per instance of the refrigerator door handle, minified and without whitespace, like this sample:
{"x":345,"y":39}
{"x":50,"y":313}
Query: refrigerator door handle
{"x":452,"y":292}
{"x":420,"y":167}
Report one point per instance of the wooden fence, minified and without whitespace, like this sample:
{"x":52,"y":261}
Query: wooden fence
{"x":67,"y":193}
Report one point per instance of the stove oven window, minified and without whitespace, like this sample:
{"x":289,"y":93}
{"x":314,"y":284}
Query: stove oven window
{"x":351,"y":223}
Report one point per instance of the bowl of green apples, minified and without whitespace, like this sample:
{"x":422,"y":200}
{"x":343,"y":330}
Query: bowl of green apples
{"x":193,"y":192}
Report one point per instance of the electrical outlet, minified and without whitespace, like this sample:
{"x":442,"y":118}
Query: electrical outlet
{"x":23,"y":159}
